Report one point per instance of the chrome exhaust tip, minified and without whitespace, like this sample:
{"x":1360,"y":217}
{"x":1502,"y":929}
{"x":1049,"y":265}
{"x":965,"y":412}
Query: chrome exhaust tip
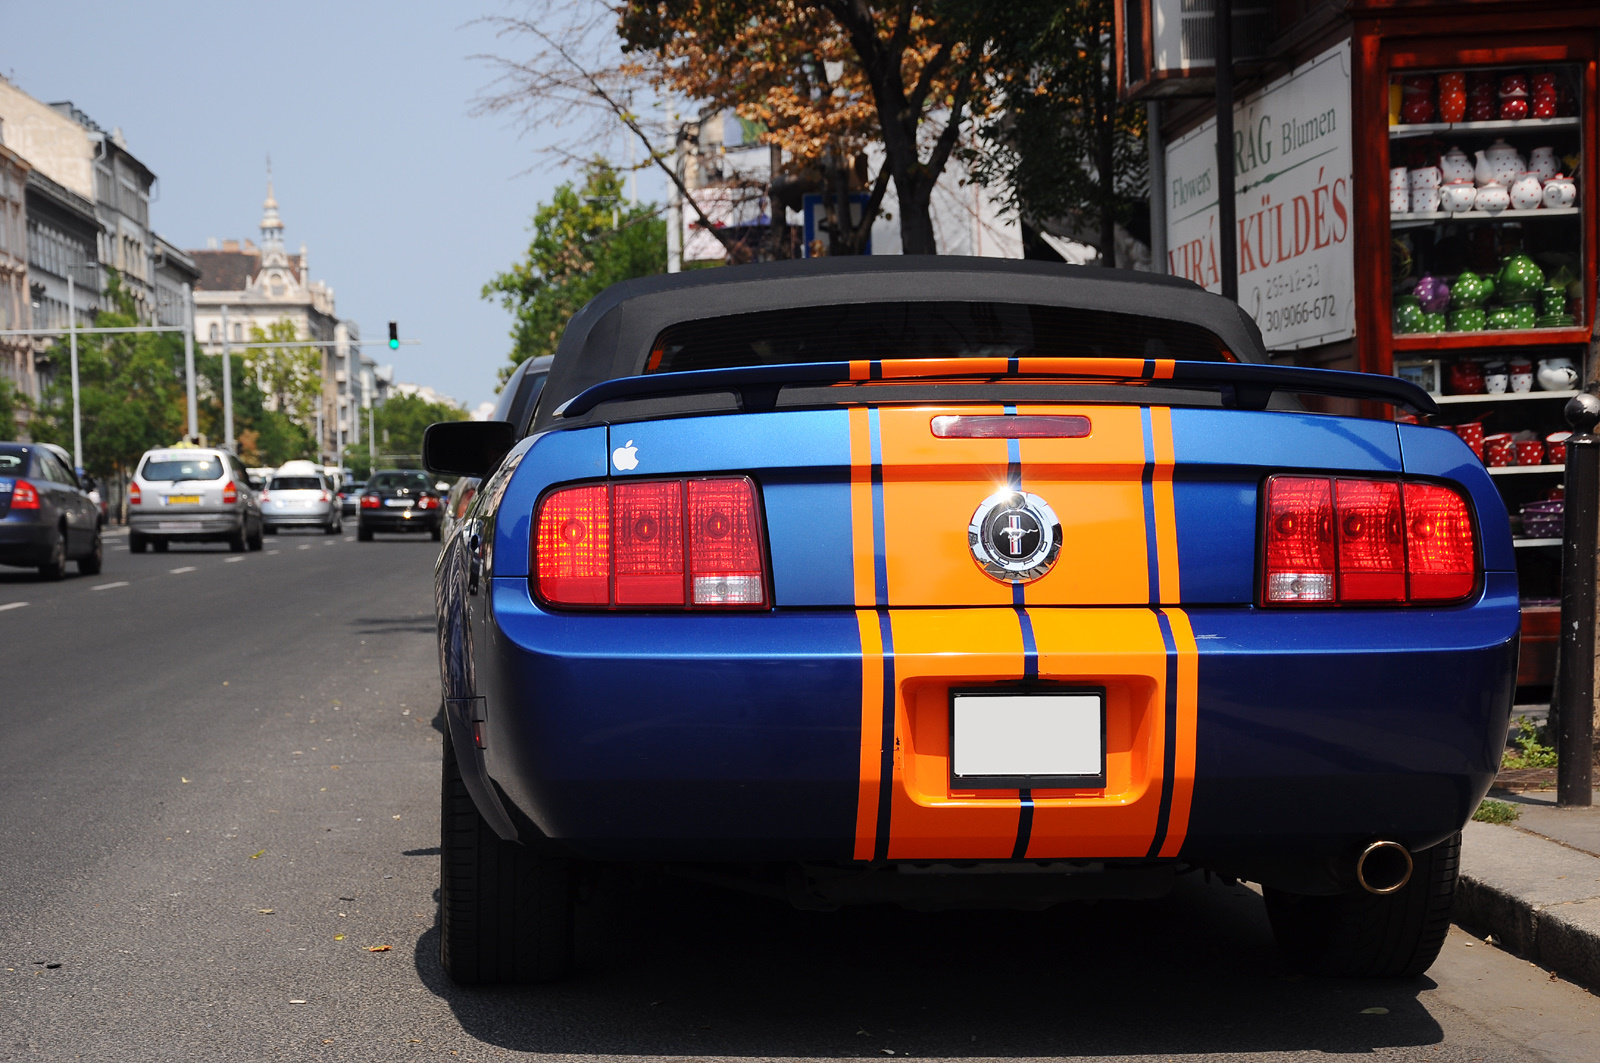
{"x":1384,"y":867}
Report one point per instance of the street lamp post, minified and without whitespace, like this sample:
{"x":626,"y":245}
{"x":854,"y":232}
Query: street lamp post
{"x":188,"y":362}
{"x":72,"y":345}
{"x":227,"y":385}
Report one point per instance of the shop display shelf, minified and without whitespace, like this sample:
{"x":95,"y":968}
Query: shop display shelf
{"x":1531,"y":125}
{"x":1510,"y":396}
{"x":1535,"y":542}
{"x":1520,"y":470}
{"x":1414,"y":221}
{"x":1454,"y":341}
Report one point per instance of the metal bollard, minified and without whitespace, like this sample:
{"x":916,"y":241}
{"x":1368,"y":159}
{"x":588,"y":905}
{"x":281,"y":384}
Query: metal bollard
{"x":1575,"y":734}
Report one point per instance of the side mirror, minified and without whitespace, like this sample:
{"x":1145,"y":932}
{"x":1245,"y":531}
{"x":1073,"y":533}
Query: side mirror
{"x":466,"y":448}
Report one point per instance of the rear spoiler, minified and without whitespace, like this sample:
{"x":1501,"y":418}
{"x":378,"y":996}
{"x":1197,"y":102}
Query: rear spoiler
{"x":1243,"y":385}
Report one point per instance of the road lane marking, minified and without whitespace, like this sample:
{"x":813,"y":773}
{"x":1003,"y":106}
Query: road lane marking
{"x":349,"y":538}
{"x":108,"y":586}
{"x":330,"y":542}
{"x":271,"y":552}
{"x":303,"y":546}
{"x":185,"y":568}
{"x":231,"y":560}
{"x":12,"y":605}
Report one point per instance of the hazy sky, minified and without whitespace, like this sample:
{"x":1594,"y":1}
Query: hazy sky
{"x":406,"y":203}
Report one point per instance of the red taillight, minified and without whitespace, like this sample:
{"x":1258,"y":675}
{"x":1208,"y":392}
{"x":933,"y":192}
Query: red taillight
{"x":134,"y":496}
{"x":1372,"y":542}
{"x":1439,"y":549}
{"x":325,"y":497}
{"x":427,"y":502}
{"x":370,"y":502}
{"x":1348,"y":541}
{"x":573,"y":545}
{"x":650,"y":544}
{"x":24,"y":496}
{"x":265,"y":497}
{"x":230,"y":494}
{"x":725,"y":543}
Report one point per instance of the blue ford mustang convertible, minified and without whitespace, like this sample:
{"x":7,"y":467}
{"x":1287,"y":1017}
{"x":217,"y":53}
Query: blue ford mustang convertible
{"x":954,"y":582}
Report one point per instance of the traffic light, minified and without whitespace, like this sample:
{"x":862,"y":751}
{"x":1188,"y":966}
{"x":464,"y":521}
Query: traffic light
{"x":394,"y":336}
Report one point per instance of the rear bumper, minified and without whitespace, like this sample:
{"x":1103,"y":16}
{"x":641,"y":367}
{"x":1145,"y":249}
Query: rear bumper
{"x":185,"y":525}
{"x":1235,"y":736}
{"x":400,"y":519}
{"x":23,"y":540}
{"x":282,"y":518}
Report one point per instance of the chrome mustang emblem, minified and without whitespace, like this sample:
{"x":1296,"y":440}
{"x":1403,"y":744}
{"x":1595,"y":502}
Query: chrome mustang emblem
{"x":1015,"y":536}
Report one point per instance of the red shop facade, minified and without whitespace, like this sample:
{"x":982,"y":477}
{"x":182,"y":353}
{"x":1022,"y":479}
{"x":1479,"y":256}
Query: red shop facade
{"x":1414,"y":196}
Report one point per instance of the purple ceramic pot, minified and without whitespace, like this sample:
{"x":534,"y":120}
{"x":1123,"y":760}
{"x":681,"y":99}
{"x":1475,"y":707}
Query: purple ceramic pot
{"x":1433,"y":293}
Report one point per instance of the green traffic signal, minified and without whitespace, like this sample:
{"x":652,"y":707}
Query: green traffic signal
{"x":394,"y":336}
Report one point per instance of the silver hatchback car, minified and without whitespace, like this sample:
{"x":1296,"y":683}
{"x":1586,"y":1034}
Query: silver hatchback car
{"x":300,"y":495}
{"x":192,"y":494}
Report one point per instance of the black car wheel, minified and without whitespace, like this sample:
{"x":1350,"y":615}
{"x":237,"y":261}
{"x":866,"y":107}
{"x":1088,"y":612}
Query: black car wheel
{"x":254,"y":541}
{"x":363,"y":533}
{"x":55,"y":563}
{"x":159,"y":545}
{"x":137,"y":543}
{"x":505,"y":912}
{"x":236,"y":543}
{"x":90,"y":564}
{"x":1363,"y":935}
{"x":437,"y":531}
{"x":269,"y":529}
{"x":333,"y":527}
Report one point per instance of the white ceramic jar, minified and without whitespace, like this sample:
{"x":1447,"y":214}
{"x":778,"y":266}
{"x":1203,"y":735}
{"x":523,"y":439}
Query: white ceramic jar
{"x":1425,"y":177}
{"x":1498,"y":162}
{"x":1492,"y":198}
{"x":1458,"y":196}
{"x":1527,"y":193}
{"x":1399,"y":201}
{"x":1542,"y":161}
{"x":1398,"y":177}
{"x":1424,"y":200}
{"x":1560,"y":192}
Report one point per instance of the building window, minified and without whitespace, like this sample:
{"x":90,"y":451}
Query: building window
{"x":238,"y":333}
{"x":216,"y":332}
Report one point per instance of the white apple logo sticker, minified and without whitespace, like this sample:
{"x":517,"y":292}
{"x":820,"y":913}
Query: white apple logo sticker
{"x":626,"y":457}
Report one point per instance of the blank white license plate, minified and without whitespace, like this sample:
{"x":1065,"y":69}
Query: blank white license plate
{"x":1032,"y":739}
{"x":398,"y":502}
{"x":174,"y":525}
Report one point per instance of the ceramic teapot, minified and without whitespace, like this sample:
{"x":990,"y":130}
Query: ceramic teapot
{"x":1519,"y":278}
{"x":1557,"y":374}
{"x":1491,"y":197}
{"x":1457,"y":197}
{"x":1468,"y":292}
{"x":1542,"y":161}
{"x":1560,"y":192}
{"x":1498,"y":162}
{"x":1527,"y":193}
{"x":1409,"y":315}
{"x":1455,"y":166}
{"x":1433,"y":293}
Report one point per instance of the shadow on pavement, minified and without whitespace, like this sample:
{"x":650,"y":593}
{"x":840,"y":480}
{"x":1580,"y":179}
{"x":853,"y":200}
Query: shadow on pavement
{"x":671,"y":968}
{"x":420,"y":623}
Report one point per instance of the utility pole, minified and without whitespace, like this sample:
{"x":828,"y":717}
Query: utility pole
{"x":1575,"y":671}
{"x":1227,"y":221}
{"x":227,"y":385}
{"x":72,"y":344}
{"x":188,"y":362}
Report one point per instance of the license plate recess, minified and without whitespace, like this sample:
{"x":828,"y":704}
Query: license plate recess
{"x":1035,"y":738}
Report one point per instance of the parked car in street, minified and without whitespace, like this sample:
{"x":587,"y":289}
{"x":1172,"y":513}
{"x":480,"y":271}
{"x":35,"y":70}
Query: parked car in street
{"x":350,"y":497}
{"x":518,"y":399}
{"x":300,"y":495}
{"x":399,"y":500}
{"x":954,"y":582}
{"x":46,"y":516}
{"x":192,"y":494}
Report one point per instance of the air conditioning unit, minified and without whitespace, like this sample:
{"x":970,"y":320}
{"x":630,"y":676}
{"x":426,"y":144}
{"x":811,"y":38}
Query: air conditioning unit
{"x":1169,"y":47}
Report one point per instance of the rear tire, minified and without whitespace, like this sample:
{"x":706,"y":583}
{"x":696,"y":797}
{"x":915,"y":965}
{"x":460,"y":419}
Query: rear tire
{"x":55,"y":564}
{"x":1361,"y":935}
{"x":269,"y":529}
{"x":91,"y":563}
{"x":159,"y":545}
{"x":137,"y":543}
{"x":505,"y":914}
{"x":333,"y":528}
{"x":437,"y":532}
{"x":253,"y":542}
{"x":363,"y":533}
{"x":236,"y":544}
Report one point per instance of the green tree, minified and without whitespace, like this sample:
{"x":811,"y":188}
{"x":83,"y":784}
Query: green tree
{"x":130,"y":389}
{"x":264,"y":436}
{"x":11,"y":406}
{"x":290,"y":377}
{"x":1060,"y":140}
{"x":399,"y":424}
{"x":584,"y":240}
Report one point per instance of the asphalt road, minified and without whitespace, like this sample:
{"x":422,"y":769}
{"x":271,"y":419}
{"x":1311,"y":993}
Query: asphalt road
{"x":218,"y":792}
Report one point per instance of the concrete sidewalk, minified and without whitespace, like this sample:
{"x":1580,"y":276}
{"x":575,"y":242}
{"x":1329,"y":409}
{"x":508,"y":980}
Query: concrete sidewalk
{"x":1535,"y":884}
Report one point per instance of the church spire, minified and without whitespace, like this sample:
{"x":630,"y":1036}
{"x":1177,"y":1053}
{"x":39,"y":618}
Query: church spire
{"x":271,"y":225}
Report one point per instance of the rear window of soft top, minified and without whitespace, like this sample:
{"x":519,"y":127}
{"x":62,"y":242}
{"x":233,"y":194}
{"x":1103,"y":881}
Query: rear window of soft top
{"x":888,"y":330}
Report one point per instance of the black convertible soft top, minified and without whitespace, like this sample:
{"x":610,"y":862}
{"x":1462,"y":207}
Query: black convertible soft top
{"x":612,"y":335}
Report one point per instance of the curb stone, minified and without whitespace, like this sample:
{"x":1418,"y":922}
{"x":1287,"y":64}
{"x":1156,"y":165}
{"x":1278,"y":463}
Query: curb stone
{"x":1538,"y":898}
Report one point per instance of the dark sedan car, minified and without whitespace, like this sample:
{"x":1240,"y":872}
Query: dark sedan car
{"x":350,"y":497}
{"x":46,"y":516}
{"x":400,"y":500}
